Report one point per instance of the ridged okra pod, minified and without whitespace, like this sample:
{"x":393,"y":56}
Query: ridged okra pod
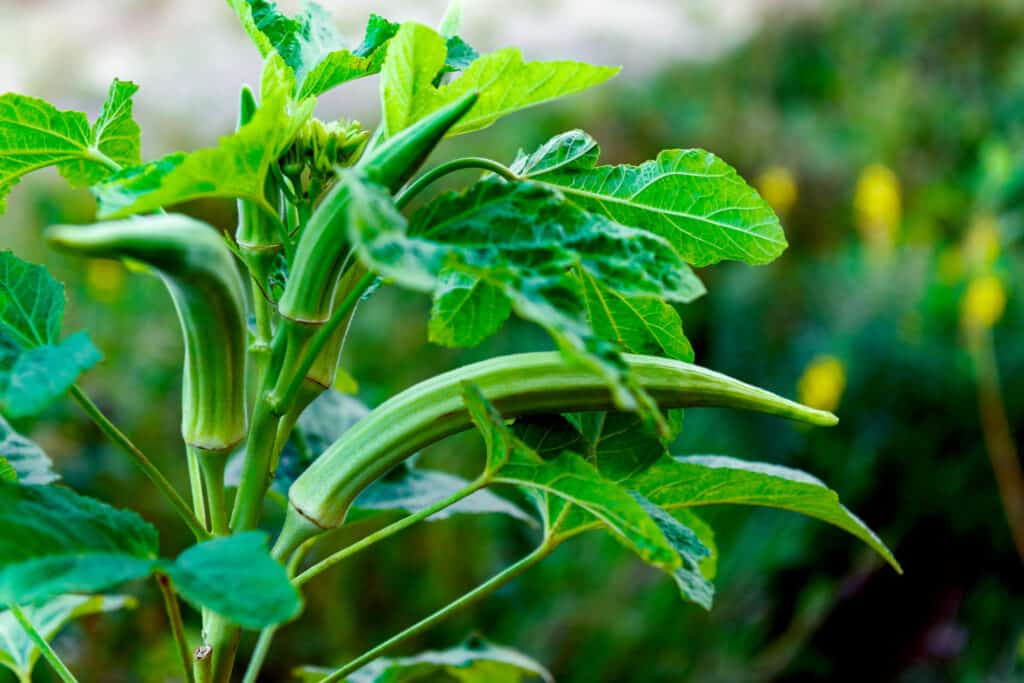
{"x":322,"y":251}
{"x":517,"y":385}
{"x":200,"y":273}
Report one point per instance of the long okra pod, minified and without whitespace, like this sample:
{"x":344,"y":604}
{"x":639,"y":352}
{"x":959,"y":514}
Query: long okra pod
{"x":517,"y":385}
{"x":199,"y":271}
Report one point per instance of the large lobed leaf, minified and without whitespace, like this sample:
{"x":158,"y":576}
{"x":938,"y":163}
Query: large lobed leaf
{"x":523,"y":244}
{"x":505,"y":82}
{"x":57,"y":542}
{"x":236,"y":168}
{"x":34,"y":135}
{"x":688,"y":196}
{"x":475,"y":661}
{"x":17,"y":650}
{"x":35,"y":365}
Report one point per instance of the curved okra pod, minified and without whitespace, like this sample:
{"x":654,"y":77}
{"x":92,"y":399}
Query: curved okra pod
{"x":517,"y":385}
{"x":200,"y":273}
{"x":322,"y":251}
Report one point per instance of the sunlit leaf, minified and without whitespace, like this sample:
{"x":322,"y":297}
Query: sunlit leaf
{"x":7,"y":472}
{"x":525,"y":243}
{"x":236,"y":577}
{"x":236,"y":168}
{"x":17,"y":651}
{"x":688,"y":196}
{"x":475,"y":661}
{"x":505,"y":83}
{"x":34,"y":134}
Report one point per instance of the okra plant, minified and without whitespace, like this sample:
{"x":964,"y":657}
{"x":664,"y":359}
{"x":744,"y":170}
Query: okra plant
{"x":598,"y":256}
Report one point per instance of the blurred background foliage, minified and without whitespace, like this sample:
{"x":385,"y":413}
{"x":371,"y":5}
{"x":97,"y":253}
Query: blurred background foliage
{"x":889,"y":137}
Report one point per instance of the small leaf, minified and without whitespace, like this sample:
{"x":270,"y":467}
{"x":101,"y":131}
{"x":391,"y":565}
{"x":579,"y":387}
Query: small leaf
{"x":684,"y":482}
{"x":690,"y":197}
{"x":341,"y":66}
{"x":237,"y":168}
{"x":571,"y":478}
{"x":17,"y":651}
{"x":35,"y":367}
{"x":56,"y":541}
{"x":466,"y":310}
{"x":417,"y":54}
{"x":692,"y":552}
{"x":475,"y":661}
{"x":29,"y":464}
{"x":412,"y":489}
{"x":34,"y":135}
{"x":31,"y":378}
{"x":236,"y":577}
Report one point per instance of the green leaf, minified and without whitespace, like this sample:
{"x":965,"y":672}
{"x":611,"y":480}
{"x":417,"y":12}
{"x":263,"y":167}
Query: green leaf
{"x":7,"y":472}
{"x":451,"y":22}
{"x":35,"y":367}
{"x":237,"y":168}
{"x":690,"y":197}
{"x":475,"y":661}
{"x":684,"y":482}
{"x":417,"y":54}
{"x":692,"y":583}
{"x":56,"y":542}
{"x":27,"y":460}
{"x":236,"y":577}
{"x":17,"y":651}
{"x":31,"y":378}
{"x":411,"y":489}
{"x":640,"y":324}
{"x":34,"y":135}
{"x":466,"y":310}
{"x":341,"y":66}
{"x":570,"y":478}
{"x":525,"y":242}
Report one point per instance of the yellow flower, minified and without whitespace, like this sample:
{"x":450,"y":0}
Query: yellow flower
{"x":823,"y":382}
{"x":878,"y":203}
{"x":778,"y":187}
{"x":983,"y":304}
{"x":105,"y":279}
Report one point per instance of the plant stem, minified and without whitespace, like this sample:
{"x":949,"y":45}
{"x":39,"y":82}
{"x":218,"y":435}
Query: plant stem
{"x":212,"y":466}
{"x":147,"y":467}
{"x":480,"y":592}
{"x":402,"y":524}
{"x":450,"y":167}
{"x":195,"y":479}
{"x":62,"y":670}
{"x":259,"y":654}
{"x":1002,"y":451}
{"x":177,"y":624}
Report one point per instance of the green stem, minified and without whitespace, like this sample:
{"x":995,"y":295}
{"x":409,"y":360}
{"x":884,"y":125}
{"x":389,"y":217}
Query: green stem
{"x":402,"y":524}
{"x":177,"y":624}
{"x":62,"y":671}
{"x":147,"y":467}
{"x":480,"y":592}
{"x":195,"y":479}
{"x":452,"y":166}
{"x":259,"y":654}
{"x":212,"y":466}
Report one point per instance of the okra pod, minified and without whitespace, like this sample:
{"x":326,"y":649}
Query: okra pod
{"x":200,"y":273}
{"x":322,"y":252}
{"x":517,"y":385}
